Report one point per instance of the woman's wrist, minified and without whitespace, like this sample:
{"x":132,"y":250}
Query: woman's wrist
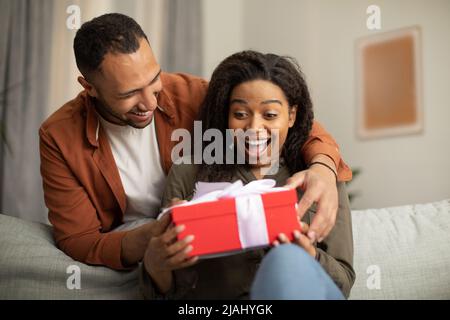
{"x":134,"y":244}
{"x":316,"y":255}
{"x":161,"y":279}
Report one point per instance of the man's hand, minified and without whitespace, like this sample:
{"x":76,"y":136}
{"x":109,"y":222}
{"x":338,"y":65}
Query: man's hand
{"x":319,"y":185}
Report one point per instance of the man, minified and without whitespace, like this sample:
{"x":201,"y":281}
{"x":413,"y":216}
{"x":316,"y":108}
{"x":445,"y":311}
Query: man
{"x":105,"y":154}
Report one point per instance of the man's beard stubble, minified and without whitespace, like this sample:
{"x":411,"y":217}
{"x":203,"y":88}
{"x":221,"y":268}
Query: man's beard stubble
{"x":103,"y":109}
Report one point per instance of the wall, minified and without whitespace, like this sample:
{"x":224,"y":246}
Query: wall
{"x":222,"y":31}
{"x":321,"y":35}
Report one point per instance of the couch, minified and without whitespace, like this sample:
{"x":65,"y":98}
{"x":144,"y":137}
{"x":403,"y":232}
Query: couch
{"x":400,"y":253}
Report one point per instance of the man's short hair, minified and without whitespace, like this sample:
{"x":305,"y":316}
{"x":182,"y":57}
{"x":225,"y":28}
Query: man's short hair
{"x":109,"y":33}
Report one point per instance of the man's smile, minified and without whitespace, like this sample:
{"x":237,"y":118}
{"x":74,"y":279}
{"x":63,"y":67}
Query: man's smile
{"x":139,"y":116}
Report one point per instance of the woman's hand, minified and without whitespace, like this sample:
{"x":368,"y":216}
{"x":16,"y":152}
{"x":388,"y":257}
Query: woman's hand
{"x":165,"y":253}
{"x":300,"y":239}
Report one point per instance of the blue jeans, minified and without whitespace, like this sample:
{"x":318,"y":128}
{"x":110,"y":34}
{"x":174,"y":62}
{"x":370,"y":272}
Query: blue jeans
{"x":288,"y":272}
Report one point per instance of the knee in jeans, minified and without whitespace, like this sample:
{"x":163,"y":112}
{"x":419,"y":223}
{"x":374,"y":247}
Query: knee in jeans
{"x":290,"y":250}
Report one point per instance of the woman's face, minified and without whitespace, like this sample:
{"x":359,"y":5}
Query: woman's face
{"x":260,"y":108}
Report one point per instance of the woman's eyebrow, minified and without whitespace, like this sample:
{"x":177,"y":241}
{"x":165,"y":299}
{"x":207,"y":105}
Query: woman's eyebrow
{"x":241,"y":101}
{"x":272,"y":101}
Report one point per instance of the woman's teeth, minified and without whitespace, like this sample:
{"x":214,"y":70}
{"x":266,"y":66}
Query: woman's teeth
{"x":255,"y":143}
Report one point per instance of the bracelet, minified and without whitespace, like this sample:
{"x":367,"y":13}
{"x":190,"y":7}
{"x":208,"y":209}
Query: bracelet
{"x":324,"y":164}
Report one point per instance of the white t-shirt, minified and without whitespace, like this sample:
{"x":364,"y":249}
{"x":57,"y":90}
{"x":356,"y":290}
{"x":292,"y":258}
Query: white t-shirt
{"x":137,"y":157}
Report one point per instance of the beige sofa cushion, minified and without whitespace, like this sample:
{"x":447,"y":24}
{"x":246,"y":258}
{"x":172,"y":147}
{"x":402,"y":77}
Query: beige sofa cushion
{"x":31,"y":267}
{"x":408,"y":246}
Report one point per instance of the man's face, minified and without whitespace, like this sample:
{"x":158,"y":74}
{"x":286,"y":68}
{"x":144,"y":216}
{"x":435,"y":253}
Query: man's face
{"x":127,"y":87}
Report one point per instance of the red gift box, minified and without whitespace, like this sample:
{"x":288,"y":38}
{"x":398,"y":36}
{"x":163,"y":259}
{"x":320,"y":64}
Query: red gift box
{"x":219,"y":228}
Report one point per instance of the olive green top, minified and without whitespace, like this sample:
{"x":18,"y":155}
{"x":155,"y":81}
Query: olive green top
{"x":230,"y":277}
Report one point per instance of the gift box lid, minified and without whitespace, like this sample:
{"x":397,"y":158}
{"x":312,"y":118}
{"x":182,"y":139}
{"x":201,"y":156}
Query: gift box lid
{"x":226,"y":206}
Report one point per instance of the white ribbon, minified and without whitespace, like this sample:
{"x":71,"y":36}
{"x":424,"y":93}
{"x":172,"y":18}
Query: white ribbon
{"x":250,"y":213}
{"x":251,"y":221}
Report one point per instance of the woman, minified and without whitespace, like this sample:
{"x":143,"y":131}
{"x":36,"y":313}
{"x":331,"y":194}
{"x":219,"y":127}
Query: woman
{"x":265,"y":96}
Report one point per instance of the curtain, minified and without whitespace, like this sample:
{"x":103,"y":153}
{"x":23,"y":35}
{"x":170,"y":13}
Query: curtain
{"x":183,"y":47}
{"x":24,"y":55}
{"x":38,"y":75}
{"x":174,"y":28}
{"x":63,"y":70}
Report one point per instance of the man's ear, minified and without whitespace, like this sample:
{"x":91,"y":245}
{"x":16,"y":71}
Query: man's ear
{"x":88,"y":87}
{"x":292,"y":115}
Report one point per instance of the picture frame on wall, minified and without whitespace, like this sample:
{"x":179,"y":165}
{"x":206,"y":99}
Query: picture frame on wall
{"x":389,"y":84}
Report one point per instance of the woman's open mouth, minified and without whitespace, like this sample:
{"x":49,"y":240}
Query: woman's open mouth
{"x":255,"y":148}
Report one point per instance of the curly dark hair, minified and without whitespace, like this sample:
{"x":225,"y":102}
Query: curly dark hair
{"x":109,"y":33}
{"x":247,"y":66}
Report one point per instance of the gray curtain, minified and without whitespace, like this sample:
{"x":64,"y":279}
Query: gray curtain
{"x":25,"y":50}
{"x":24,"y":54}
{"x":183,"y":49}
